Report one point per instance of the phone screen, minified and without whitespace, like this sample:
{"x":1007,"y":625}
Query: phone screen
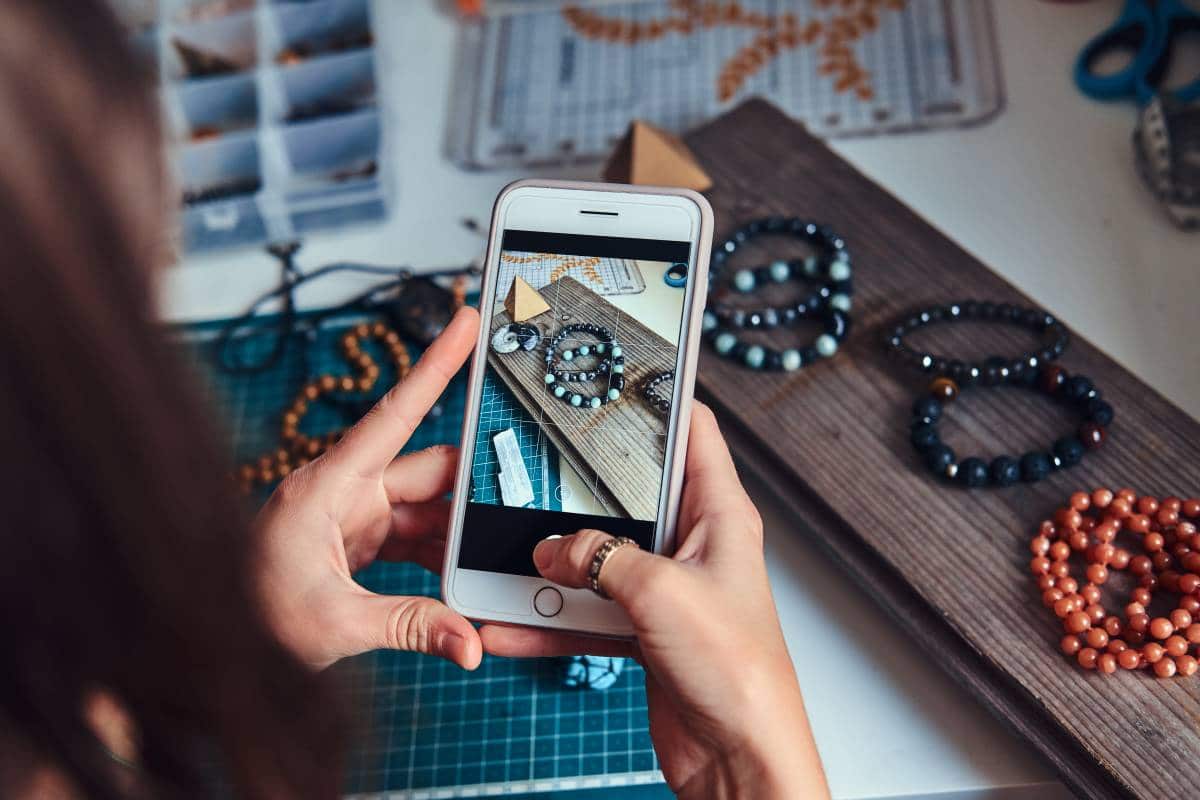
{"x":576,"y":403}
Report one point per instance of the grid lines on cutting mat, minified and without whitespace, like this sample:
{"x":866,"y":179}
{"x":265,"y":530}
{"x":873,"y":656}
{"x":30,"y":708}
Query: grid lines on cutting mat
{"x":428,"y":728}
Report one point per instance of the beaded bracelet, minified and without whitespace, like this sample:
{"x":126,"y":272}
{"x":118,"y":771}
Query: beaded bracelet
{"x":610,"y":360}
{"x":991,"y":371}
{"x":1170,"y":560}
{"x":658,"y":402}
{"x":1074,"y":391}
{"x":830,"y":302}
{"x":830,"y":254}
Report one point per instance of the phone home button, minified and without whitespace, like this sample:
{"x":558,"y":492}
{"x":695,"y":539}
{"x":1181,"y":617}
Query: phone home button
{"x":548,"y":601}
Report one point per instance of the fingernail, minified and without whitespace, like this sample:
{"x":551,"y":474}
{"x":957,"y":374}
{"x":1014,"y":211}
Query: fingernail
{"x":543,"y":554}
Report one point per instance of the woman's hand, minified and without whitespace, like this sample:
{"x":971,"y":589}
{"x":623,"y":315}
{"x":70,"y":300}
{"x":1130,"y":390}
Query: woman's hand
{"x":726,"y":714}
{"x":358,"y":503}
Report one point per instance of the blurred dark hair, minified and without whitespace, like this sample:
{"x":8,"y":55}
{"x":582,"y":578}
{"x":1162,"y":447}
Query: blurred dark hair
{"x":124,"y":559}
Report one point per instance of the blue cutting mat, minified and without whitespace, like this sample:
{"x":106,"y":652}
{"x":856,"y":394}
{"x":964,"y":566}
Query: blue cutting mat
{"x":432,"y":730}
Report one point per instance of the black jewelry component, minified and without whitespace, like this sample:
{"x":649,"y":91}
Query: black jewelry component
{"x":610,"y":361}
{"x":829,"y":302}
{"x":659,"y":403}
{"x":992,"y":371}
{"x":1076,"y":392}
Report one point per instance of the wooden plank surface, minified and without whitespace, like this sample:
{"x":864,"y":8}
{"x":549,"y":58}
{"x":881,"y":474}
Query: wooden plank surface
{"x":950,"y":564}
{"x":620,"y":447}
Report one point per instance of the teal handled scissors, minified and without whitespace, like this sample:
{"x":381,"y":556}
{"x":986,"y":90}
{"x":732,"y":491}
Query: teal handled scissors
{"x":1149,"y":29}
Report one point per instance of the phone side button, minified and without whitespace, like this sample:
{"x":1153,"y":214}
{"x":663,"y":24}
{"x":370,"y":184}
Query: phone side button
{"x":548,"y":601}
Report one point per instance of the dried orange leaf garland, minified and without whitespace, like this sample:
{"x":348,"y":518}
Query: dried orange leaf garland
{"x":1165,"y":556}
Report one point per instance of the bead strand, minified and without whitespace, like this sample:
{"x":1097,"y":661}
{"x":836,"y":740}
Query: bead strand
{"x":1076,"y":392}
{"x":609,"y":361}
{"x":1170,"y":559}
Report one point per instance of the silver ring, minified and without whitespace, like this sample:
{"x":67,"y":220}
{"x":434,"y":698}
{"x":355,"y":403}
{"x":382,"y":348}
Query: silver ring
{"x":602,"y":553}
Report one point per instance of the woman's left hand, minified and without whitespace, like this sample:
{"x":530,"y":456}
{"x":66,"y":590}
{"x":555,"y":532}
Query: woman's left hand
{"x":358,"y":503}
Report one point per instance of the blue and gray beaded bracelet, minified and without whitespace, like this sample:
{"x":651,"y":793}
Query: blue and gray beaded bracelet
{"x":830,"y":302}
{"x":610,"y":361}
{"x":1075,"y":391}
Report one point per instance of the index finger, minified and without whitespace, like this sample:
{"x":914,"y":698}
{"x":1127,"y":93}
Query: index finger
{"x":375,"y":440}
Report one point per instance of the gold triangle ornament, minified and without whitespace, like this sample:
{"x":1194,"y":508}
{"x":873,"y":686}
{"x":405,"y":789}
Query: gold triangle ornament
{"x":523,"y":301}
{"x":650,"y":156}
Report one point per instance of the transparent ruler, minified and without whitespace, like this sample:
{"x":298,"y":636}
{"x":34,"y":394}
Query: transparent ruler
{"x":550,"y":83}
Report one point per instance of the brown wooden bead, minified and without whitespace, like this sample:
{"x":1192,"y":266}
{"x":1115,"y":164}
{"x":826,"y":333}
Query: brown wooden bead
{"x":943,"y":389}
{"x":1107,"y":663}
{"x":1045,"y":582}
{"x":1166,"y":517}
{"x":1129,"y":659}
{"x":1176,"y":645}
{"x":1189,"y":583}
{"x":1090,"y":594}
{"x":1095,"y":613}
{"x":327,"y":383}
{"x":1087,"y":658}
{"x":1140,"y":595}
{"x":1165,"y":668}
{"x":312,"y":391}
{"x":1181,"y":619}
{"x":1117,"y":646}
{"x":1076,"y":622}
{"x":1060,"y":551}
{"x":1092,"y":435}
{"x":1063,"y":606}
{"x":1153,"y":652}
{"x":1192,"y":633}
{"x":1113,"y":626}
{"x":1191,"y":605}
{"x":1138,"y":622}
{"x":1147,"y":505}
{"x":1186,"y":665}
{"x":1060,"y":569}
{"x":1098,"y":638}
{"x":1120,"y":559}
{"x":1078,"y":540}
{"x":246,"y":473}
{"x":1140,"y":565}
{"x":1102,"y":497}
{"x":1191,"y":508}
{"x":1070,"y":645}
{"x":1068,"y":518}
{"x":1051,"y":378}
{"x":1137,"y":523}
{"x":1153,"y":541}
{"x":1097,"y":574}
{"x":1040,"y":565}
{"x":1068,"y":585}
{"x":1128,"y":494}
{"x":1161,"y":627}
{"x":1120,"y":507}
{"x":1039,"y":546}
{"x":1051,"y":596}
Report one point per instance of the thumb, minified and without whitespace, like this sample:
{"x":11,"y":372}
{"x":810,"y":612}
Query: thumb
{"x":627,"y":573}
{"x":418,"y":624}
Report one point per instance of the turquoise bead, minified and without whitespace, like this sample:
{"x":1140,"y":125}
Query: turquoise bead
{"x":618,"y":369}
{"x":810,"y":265}
{"x":791,"y":360}
{"x":724,"y":343}
{"x":755,"y":356}
{"x":710,"y":321}
{"x":559,"y":390}
{"x":600,"y":347}
{"x":617,"y":351}
{"x":595,"y":402}
{"x":576,"y":400}
{"x":780,"y":271}
{"x":840,"y":301}
{"x":826,"y":345}
{"x":549,"y":378}
{"x":743,"y":280}
{"x":613,"y":394}
{"x":568,"y":355}
{"x":583,"y":351}
{"x":839,"y":271}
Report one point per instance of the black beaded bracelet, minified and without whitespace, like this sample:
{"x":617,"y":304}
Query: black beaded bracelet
{"x":994,"y":370}
{"x":830,"y":302}
{"x":829,"y":264}
{"x":610,"y":360}
{"x":658,"y":402}
{"x":1076,"y":392}
{"x":836,"y":325}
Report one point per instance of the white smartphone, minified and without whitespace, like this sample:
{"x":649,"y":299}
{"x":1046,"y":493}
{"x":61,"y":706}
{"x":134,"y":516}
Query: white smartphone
{"x":579,"y":394}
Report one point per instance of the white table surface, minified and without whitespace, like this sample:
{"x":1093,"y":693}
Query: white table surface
{"x":1046,"y":194}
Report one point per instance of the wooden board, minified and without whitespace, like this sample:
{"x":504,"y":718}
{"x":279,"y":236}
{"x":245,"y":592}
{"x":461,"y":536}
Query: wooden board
{"x":950,"y":565}
{"x":620,"y":447}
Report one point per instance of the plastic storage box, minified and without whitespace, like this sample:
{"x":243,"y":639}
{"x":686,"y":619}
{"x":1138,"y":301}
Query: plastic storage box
{"x":271,"y":107}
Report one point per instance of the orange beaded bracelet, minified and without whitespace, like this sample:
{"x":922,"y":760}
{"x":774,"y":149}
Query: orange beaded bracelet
{"x":1166,"y":536}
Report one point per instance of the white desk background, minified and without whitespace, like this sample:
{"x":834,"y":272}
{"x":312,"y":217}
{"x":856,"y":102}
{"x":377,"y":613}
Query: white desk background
{"x":1046,"y":194}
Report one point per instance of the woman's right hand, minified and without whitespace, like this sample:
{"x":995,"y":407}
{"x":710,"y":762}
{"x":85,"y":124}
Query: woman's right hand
{"x":726,"y":714}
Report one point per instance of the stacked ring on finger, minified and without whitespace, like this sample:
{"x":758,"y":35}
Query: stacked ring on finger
{"x":610,"y":362}
{"x":829,"y":302}
{"x":1076,"y":392}
{"x":993,"y":370}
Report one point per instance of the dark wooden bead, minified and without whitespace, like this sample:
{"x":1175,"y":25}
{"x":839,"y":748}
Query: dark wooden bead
{"x":1035,"y":466}
{"x":943,"y":390}
{"x":927,"y":408}
{"x":1099,"y":412}
{"x":1069,"y":450}
{"x":938,"y":457}
{"x":1051,"y":378}
{"x":1005,"y":471}
{"x":973,"y":472}
{"x":1092,"y":435}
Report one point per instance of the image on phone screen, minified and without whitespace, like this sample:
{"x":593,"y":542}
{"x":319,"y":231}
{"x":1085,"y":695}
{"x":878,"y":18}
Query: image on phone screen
{"x":577,"y":393}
